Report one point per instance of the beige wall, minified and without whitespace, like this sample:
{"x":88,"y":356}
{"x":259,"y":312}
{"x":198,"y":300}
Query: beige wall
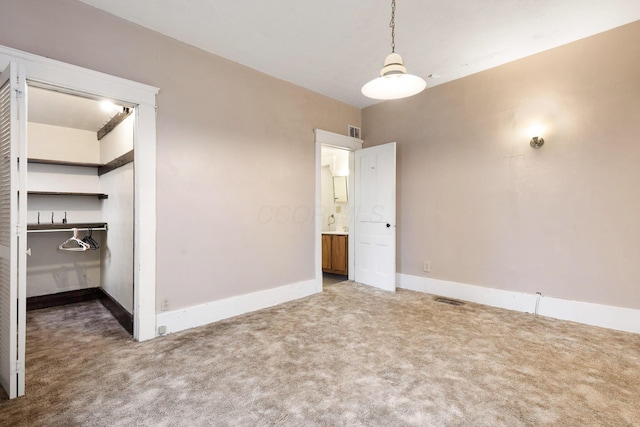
{"x":236,"y":146}
{"x":232,"y":143}
{"x":486,"y":209}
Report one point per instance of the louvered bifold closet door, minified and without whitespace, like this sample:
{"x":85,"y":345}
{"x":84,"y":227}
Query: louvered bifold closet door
{"x":12,"y":325}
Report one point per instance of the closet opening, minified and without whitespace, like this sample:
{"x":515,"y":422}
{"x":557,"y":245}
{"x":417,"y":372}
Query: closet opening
{"x":80,"y":201}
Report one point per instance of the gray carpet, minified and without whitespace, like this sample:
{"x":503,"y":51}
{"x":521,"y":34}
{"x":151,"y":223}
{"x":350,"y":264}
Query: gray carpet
{"x":351,"y":356}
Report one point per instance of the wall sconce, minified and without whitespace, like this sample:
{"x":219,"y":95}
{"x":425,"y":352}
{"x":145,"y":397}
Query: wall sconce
{"x":536,"y":142}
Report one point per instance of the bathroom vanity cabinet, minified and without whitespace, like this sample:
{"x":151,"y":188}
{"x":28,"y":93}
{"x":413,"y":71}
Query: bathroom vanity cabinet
{"x":335,"y":253}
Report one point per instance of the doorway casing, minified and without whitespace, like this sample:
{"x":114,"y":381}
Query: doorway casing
{"x":70,"y":77}
{"x":347,"y":143}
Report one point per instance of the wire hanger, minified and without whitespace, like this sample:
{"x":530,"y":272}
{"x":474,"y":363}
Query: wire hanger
{"x":74,"y":243}
{"x":88,"y":239}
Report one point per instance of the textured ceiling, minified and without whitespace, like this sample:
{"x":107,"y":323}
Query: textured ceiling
{"x":335,"y":46}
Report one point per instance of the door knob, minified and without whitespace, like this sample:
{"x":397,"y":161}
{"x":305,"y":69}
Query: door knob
{"x":388,"y":225}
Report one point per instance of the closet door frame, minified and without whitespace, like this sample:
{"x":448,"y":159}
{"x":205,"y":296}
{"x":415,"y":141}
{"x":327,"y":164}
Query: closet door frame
{"x":70,"y":77}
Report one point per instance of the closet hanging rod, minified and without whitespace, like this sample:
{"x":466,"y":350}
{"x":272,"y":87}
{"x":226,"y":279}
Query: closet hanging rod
{"x":51,"y":230}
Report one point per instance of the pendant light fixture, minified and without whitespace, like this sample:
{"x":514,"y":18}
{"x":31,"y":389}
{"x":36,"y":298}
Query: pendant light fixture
{"x":394,"y":82}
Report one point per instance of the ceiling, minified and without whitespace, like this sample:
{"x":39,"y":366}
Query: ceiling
{"x":71,"y":111}
{"x":335,"y":46}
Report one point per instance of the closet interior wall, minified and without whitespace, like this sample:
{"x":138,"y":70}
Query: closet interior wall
{"x":50,"y":270}
{"x":116,"y":253}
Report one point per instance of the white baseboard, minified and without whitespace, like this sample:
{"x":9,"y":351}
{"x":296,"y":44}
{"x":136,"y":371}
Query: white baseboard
{"x":191,"y":317}
{"x":606,"y":316}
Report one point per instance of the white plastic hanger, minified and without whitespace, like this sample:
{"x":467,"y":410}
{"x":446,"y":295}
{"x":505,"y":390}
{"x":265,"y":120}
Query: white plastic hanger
{"x":77,"y":244}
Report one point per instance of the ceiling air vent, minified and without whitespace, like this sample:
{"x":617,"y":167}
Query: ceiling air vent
{"x":354,"y":132}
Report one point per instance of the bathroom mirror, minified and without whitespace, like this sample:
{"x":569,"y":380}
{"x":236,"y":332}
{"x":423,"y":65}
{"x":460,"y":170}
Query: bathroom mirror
{"x":340,"y":193}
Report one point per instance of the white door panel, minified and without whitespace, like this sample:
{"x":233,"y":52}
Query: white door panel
{"x":375,"y":216}
{"x":12,"y":230}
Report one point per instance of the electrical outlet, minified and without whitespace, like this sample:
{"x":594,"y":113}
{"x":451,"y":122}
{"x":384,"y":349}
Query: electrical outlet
{"x":427,"y":267}
{"x":165,"y":304}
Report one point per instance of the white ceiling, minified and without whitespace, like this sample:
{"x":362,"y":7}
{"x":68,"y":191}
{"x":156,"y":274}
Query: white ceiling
{"x":335,"y":46}
{"x":62,"y":109}
{"x":328,"y":156}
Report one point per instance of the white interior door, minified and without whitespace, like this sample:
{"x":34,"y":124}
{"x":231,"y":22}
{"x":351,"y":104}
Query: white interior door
{"x":12,"y":230}
{"x":375,"y":216}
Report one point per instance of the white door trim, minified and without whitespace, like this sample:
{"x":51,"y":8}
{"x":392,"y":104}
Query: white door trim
{"x":56,"y":73}
{"x":330,"y":139}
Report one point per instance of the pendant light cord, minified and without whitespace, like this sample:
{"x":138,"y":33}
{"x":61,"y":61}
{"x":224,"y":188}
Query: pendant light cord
{"x":392,"y":24}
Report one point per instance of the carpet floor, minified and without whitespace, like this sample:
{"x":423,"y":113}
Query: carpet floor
{"x":351,"y":356}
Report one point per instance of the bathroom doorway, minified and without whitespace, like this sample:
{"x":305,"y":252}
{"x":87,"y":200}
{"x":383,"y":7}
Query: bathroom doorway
{"x":335,"y":212}
{"x":372,"y":211}
{"x":334,"y":159}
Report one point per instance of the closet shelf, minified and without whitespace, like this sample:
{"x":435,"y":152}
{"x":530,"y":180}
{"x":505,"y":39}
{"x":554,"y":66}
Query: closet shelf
{"x":126,"y":158}
{"x":102,"y":168}
{"x":62,"y":193}
{"x":64,"y":163}
{"x":67,"y":227}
